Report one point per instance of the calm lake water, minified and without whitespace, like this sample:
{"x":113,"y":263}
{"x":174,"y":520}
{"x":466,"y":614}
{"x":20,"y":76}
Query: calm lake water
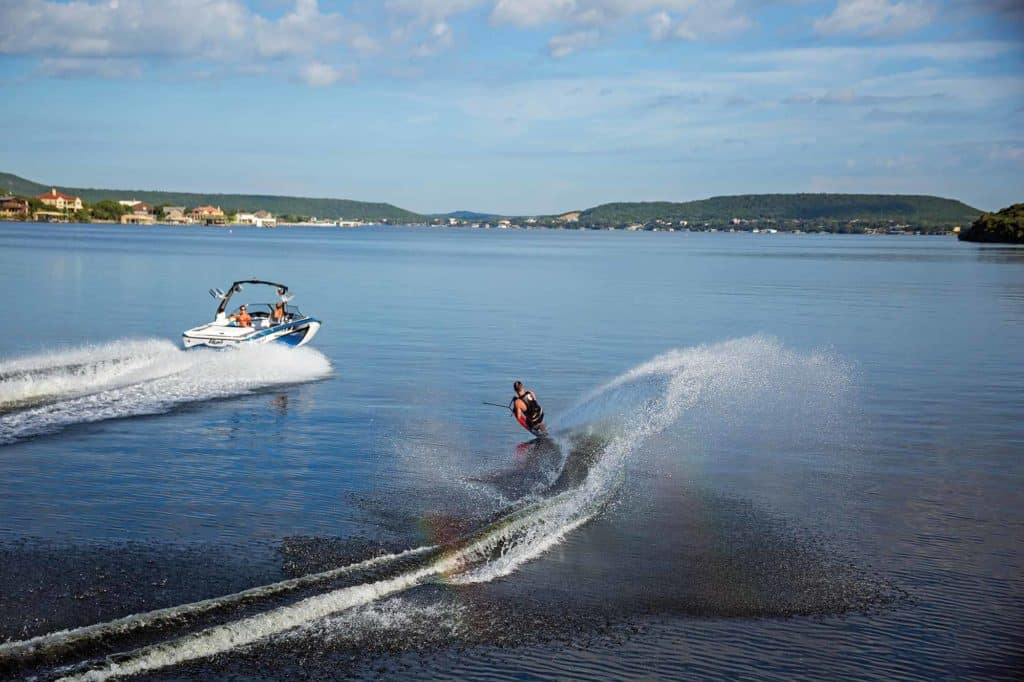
{"x":773,"y":455}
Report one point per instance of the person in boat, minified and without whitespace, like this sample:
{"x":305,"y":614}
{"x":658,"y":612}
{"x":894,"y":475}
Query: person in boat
{"x":277,"y":316}
{"x":527,"y":410}
{"x":242,"y":318}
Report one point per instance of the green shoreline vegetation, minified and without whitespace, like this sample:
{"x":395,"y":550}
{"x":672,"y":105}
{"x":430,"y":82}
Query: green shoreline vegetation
{"x":834,"y":213}
{"x":1005,"y":226}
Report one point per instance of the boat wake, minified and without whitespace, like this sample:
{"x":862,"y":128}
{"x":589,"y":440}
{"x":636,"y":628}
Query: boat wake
{"x":599,"y":435}
{"x":45,"y":393}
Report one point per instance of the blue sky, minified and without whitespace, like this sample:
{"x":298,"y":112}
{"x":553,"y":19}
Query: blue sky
{"x":518,"y":106}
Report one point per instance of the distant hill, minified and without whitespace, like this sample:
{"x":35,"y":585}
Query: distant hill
{"x":467,"y":215}
{"x":1004,"y":226}
{"x":918,"y":211}
{"x":835,"y":212}
{"x":278,"y":205}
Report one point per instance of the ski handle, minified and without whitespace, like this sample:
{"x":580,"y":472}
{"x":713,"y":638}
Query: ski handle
{"x":504,"y":407}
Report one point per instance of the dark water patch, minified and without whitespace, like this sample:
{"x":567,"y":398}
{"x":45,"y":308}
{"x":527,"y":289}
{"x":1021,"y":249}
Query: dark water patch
{"x":46,"y":587}
{"x":705,"y":555}
{"x":846,"y":647}
{"x":534,"y":465}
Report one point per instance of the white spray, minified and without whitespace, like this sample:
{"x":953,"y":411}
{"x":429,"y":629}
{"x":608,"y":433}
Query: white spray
{"x":631,"y":408}
{"x":45,"y":393}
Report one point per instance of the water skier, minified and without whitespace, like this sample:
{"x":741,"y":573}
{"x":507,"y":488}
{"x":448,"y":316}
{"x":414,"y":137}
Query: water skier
{"x":527,"y":410}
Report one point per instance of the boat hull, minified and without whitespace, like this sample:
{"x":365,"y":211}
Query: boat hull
{"x":296,"y":333}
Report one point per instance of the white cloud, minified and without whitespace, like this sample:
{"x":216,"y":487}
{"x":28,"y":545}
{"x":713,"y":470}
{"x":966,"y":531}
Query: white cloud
{"x":660,"y":25}
{"x":533,"y":12}
{"x":77,"y":67}
{"x":319,"y":75}
{"x":876,"y":18}
{"x":564,"y":45}
{"x":431,"y":10}
{"x":220,"y":31}
{"x":805,"y":57}
{"x":301,"y":30}
{"x":851,"y":98}
{"x":439,"y":37}
{"x":680,"y":19}
{"x":697,"y":20}
{"x":424,"y":24}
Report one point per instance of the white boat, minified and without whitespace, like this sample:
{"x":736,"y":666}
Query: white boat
{"x":294,"y":329}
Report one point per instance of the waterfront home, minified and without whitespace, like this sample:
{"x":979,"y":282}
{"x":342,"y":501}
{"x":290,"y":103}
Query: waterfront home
{"x":208,"y":215}
{"x":259,"y":219}
{"x":176,"y":214}
{"x":50,"y":216}
{"x":61,"y":202}
{"x":137,"y":207}
{"x":137,"y":219}
{"x":13,"y":208}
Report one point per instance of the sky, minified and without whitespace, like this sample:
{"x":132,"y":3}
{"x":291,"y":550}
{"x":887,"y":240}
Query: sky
{"x":517,"y":106}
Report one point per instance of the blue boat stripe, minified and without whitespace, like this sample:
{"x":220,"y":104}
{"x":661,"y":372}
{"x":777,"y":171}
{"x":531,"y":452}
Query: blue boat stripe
{"x":282,"y":327}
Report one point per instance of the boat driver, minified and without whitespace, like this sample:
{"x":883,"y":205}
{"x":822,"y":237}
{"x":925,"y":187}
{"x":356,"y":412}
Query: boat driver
{"x":241,"y":318}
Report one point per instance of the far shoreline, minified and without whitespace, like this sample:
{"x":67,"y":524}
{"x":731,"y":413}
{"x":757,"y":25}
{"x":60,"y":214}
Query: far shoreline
{"x":516,"y":228}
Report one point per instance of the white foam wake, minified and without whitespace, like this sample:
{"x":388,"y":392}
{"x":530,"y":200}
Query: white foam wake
{"x":47,"y":392}
{"x":61,"y":639}
{"x":642,"y":403}
{"x":631,"y":408}
{"x":246,"y":631}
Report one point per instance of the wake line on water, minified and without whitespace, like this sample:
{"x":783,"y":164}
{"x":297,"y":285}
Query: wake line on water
{"x":64,"y":639}
{"x":45,"y":393}
{"x":630,"y":409}
{"x":246,"y":631}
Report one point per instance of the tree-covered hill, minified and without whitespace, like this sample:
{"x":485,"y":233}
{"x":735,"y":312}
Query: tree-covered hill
{"x":278,"y":205}
{"x":834,"y":212}
{"x":918,"y":211}
{"x":467,"y":215}
{"x":1004,"y":226}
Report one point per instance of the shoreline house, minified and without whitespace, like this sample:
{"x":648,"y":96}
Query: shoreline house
{"x":61,"y":202}
{"x":259,"y":219}
{"x":208,"y":215}
{"x":176,"y":214}
{"x":137,"y":207}
{"x":138,"y":219}
{"x":14,"y":208}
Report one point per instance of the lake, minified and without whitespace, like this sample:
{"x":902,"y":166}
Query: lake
{"x":772,"y":455}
